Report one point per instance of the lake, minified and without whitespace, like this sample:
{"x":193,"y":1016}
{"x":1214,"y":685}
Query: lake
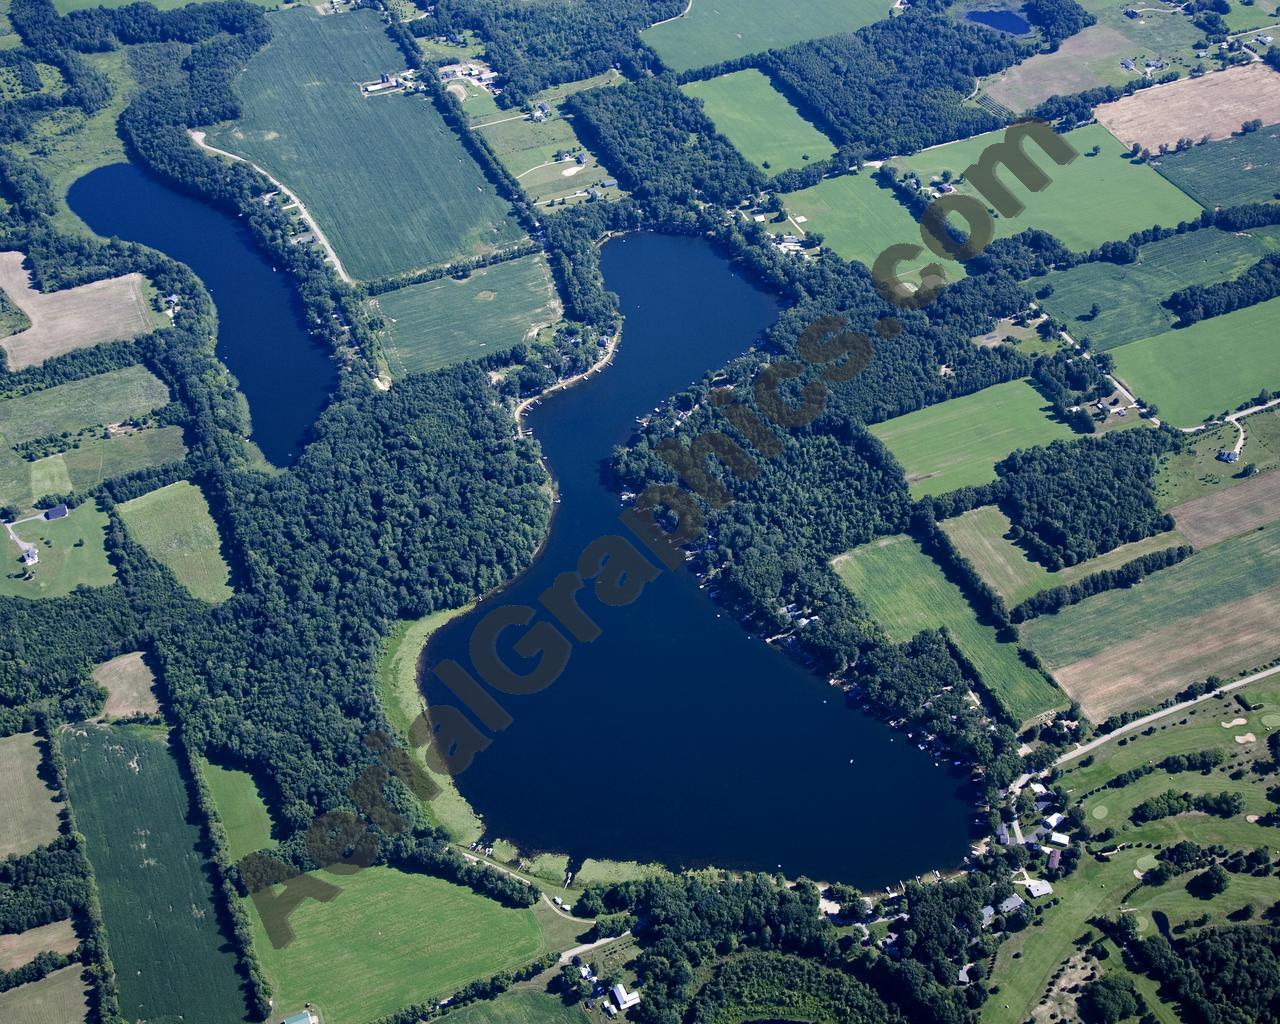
{"x":262,"y":335}
{"x":1005,"y":20}
{"x":675,"y":737}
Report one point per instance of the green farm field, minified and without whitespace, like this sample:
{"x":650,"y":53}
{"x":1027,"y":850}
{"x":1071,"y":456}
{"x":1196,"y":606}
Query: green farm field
{"x":759,"y":120}
{"x":442,"y":322}
{"x":1229,"y":172}
{"x":59,"y":998}
{"x":28,"y":811}
{"x":99,"y":459}
{"x":906,"y":591}
{"x":1215,"y":613}
{"x":175,"y":527}
{"x":132,"y":806}
{"x":981,"y":535}
{"x":957,"y":443}
{"x":716,"y":30}
{"x":106,"y":398}
{"x":1093,"y":199}
{"x":72,"y":554}
{"x":391,"y":939}
{"x":1205,"y":369}
{"x":414,"y":199}
{"x":857,"y":218}
{"x":1198,"y":471}
{"x":240,"y":805}
{"x":520,"y":1006}
{"x":1130,"y":295}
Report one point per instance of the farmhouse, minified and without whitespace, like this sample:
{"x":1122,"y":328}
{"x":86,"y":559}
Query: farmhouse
{"x":623,"y":998}
{"x":57,"y":512}
{"x":1228,"y":456}
{"x":30,"y":556}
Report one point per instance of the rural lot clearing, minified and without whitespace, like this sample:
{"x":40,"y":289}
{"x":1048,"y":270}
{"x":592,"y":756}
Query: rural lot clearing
{"x":112,"y":310}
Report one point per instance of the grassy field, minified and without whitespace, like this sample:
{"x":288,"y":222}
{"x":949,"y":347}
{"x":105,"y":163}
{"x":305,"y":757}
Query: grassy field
{"x":1230,"y":513}
{"x":1184,"y":476}
{"x":132,"y":806}
{"x":1228,"y":172}
{"x":110,"y":310}
{"x":1028,"y":958}
{"x":958,"y":442}
{"x":414,"y":199}
{"x":18,"y":948}
{"x":240,"y":805}
{"x":520,"y":1006}
{"x":130,"y":686}
{"x":1205,"y":369}
{"x":528,"y":148}
{"x":67,"y":6}
{"x":981,"y":536}
{"x":99,"y":459}
{"x":60,"y":998}
{"x":72,"y":554}
{"x":402,"y":703}
{"x":1093,"y":199}
{"x":712,"y":32}
{"x":442,"y":322}
{"x":1214,"y":613}
{"x":391,"y":939}
{"x":105,"y":398}
{"x":28,"y":811}
{"x":906,"y":591}
{"x":1130,"y":295}
{"x":176,"y":528}
{"x":760,"y":121}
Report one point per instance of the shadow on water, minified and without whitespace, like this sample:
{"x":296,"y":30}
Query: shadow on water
{"x":675,"y":737}
{"x":262,"y":337}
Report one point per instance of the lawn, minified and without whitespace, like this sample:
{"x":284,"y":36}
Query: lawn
{"x":1130,"y":295}
{"x":759,"y":120}
{"x":957,"y":443}
{"x":711,"y":32}
{"x":1201,"y":371}
{"x":415,"y":198}
{"x":1184,"y":476}
{"x":92,"y":401}
{"x":175,"y":527}
{"x":981,"y":535}
{"x":856,"y":217}
{"x":240,"y":805}
{"x":60,"y":998}
{"x":442,"y":322}
{"x":1093,"y":199}
{"x":130,"y":686}
{"x":520,"y":1006}
{"x":390,"y":939}
{"x":28,"y":810}
{"x":906,"y":591}
{"x":1229,"y":172}
{"x":72,"y":554}
{"x":402,"y":703}
{"x":132,"y":806}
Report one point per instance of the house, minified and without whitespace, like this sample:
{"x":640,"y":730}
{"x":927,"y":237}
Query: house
{"x":30,"y":556}
{"x":623,"y":998}
{"x":1038,"y":888}
{"x":302,"y":1017}
{"x":1228,"y":456}
{"x":57,"y":512}
{"x":609,"y":183}
{"x":1061,"y":838}
{"x":1012,"y":903}
{"x":988,"y":915}
{"x":1055,"y":858}
{"x":1038,"y":789}
{"x":1054,"y":820}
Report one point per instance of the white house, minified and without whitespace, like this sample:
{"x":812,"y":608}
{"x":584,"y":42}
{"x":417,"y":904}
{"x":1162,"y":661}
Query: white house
{"x":623,"y":998}
{"x":1039,"y":887}
{"x":1054,"y":820}
{"x":1061,"y":838}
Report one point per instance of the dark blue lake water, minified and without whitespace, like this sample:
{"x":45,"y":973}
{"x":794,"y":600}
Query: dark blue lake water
{"x":1005,"y":20}
{"x":675,"y":737}
{"x":262,"y":337}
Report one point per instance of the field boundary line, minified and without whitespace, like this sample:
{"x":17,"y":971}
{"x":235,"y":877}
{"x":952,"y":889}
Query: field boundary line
{"x":198,"y":137}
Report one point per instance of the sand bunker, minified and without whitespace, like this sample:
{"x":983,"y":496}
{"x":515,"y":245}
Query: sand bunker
{"x":1247,"y":738}
{"x":1234,"y":722}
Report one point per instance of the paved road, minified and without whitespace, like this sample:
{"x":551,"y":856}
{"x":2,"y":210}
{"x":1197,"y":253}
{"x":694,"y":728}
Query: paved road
{"x":1145,"y":720}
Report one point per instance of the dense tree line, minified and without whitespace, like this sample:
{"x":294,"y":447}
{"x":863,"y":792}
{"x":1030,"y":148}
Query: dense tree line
{"x":1200,"y":302}
{"x":896,"y":86}
{"x":1223,"y":805}
{"x":533,"y":46}
{"x":1220,"y":976}
{"x":1057,"y":19}
{"x":1070,"y":502}
{"x":661,"y":145}
{"x":1056,"y":598}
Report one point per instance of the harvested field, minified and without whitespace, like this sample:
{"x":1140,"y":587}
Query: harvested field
{"x":28,"y":812}
{"x":21,"y":948}
{"x":111,"y":310}
{"x":1214,"y":105}
{"x":130,"y":686}
{"x":1227,"y":514}
{"x":1140,"y":673}
{"x":1065,"y":71}
{"x":60,"y":998}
